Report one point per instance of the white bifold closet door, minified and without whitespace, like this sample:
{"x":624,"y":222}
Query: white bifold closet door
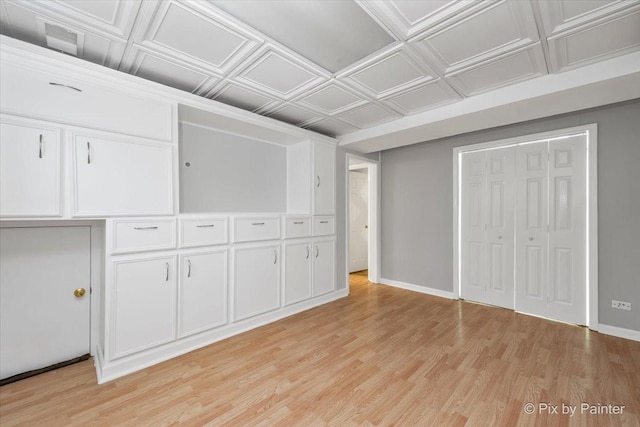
{"x":551,"y":219}
{"x":487,"y":226}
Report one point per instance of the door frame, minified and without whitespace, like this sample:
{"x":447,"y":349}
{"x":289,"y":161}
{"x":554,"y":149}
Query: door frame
{"x":373,"y":261}
{"x":591,"y":130}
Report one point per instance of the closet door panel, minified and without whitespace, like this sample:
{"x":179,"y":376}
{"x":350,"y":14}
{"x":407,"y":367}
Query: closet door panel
{"x":473,"y":233}
{"x":500,"y":217}
{"x":531,"y":228}
{"x":567,"y":230}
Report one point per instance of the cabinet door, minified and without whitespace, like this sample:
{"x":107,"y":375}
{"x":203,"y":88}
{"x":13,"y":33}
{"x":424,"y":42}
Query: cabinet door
{"x":203,"y":292}
{"x":29,"y":170}
{"x":144,"y":304}
{"x":122,"y":178}
{"x":257,"y":280}
{"x":324,"y":180}
{"x":297,"y":268}
{"x":324,"y":274}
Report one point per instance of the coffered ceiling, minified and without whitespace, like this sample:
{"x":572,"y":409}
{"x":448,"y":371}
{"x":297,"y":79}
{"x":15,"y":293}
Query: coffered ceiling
{"x":334,"y":67}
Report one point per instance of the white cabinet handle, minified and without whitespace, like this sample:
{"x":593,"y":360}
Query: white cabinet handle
{"x":298,"y":222}
{"x":145,"y":228}
{"x":324,"y":222}
{"x":307,"y":252}
{"x":67,"y":86}
{"x":189,"y":272}
{"x":166,"y":279}
{"x":257,"y":223}
{"x":317,"y":180}
{"x":40,"y":148}
{"x":275,"y":256}
{"x":88,"y":153}
{"x":205,"y":226}
{"x":317,"y":251}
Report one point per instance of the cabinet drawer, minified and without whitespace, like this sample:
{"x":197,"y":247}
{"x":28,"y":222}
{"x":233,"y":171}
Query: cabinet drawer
{"x":324,"y":225}
{"x":258,"y":228}
{"x":135,"y":236}
{"x":203,"y":232}
{"x":297,"y":227}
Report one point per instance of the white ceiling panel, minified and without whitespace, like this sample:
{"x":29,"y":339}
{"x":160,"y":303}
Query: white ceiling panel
{"x":331,"y":99}
{"x":294,"y":115}
{"x":494,"y":30}
{"x":150,"y":66}
{"x":422,"y":98}
{"x":331,"y":127}
{"x":606,"y":38}
{"x":367,"y":115}
{"x":247,"y":99}
{"x":332,"y":34}
{"x":279,"y":74}
{"x":508,"y":69}
{"x":387,"y":73}
{"x":27,"y":24}
{"x":197,"y":34}
{"x":558,"y":16}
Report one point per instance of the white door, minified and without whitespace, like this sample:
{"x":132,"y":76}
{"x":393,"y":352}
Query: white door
{"x":256,"y":287}
{"x":297,"y":272}
{"x":324,"y":179}
{"x":42,"y":322}
{"x":358,"y":220}
{"x":500,"y":236}
{"x":472,"y":232}
{"x":324,"y":273}
{"x":551,"y":229}
{"x":531,"y":228}
{"x":567,"y":230}
{"x":29,"y":171}
{"x":144,"y":304}
{"x":124,"y":178}
{"x":203,"y":291}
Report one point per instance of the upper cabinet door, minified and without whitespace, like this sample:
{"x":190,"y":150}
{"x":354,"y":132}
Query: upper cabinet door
{"x":324,"y":160}
{"x":29,"y":170}
{"x":115,"y":177}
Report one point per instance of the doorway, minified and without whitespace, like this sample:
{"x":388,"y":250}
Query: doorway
{"x":525,"y":224}
{"x":362,"y":207}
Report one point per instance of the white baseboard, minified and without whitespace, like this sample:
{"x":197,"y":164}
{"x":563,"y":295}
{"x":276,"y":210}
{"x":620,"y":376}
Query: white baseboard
{"x":417,"y":288}
{"x":110,"y":370}
{"x":616,"y":331}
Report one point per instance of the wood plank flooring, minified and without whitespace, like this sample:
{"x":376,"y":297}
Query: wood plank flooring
{"x":382,"y":356}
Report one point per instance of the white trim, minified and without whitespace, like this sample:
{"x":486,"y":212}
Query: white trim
{"x":616,"y":331}
{"x":592,"y":209}
{"x":138,"y":361}
{"x":417,"y":288}
{"x":374,"y":252}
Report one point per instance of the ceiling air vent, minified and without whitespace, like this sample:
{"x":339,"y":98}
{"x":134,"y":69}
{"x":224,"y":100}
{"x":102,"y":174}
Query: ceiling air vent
{"x":61,"y":39}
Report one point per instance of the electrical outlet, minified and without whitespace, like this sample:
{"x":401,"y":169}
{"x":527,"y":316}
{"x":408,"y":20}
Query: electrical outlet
{"x":621,"y":305}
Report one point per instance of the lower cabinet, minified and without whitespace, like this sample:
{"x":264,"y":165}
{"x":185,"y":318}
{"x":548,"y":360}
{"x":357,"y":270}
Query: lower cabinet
{"x":144,"y":304}
{"x":256,"y":287}
{"x":297,"y":272}
{"x":203,"y":291}
{"x":324,"y":273}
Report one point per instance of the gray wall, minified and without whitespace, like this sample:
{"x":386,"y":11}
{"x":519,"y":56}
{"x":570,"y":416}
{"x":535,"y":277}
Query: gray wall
{"x":341,"y":218}
{"x":417,"y":200}
{"x":230,"y":173}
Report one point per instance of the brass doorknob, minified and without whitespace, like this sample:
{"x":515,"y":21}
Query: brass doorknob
{"x":79,"y":293}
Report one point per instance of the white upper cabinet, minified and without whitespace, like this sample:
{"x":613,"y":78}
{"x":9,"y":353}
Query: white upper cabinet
{"x":121,"y":177}
{"x":324,"y":160}
{"x":61,"y":98}
{"x":29,"y":169}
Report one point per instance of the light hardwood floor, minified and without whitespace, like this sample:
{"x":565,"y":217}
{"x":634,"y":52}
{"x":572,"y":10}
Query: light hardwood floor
{"x":382,"y":356}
